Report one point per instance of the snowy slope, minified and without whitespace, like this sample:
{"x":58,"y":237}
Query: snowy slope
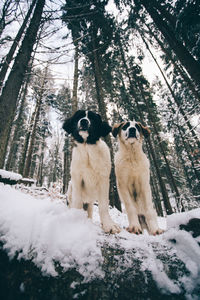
{"x":47,"y":231}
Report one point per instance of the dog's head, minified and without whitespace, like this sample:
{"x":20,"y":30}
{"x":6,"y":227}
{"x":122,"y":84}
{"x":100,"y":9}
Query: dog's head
{"x":130,"y":132}
{"x":86,"y":126}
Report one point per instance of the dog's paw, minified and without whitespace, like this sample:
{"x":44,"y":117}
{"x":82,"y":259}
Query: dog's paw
{"x":134,"y":229}
{"x":111,"y":228}
{"x":157,"y":231}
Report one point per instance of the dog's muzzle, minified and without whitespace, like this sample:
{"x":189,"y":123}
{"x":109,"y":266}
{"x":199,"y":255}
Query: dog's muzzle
{"x":131,"y":133}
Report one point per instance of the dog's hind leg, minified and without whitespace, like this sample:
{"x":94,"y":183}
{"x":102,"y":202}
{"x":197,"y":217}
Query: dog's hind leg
{"x":89,"y":208}
{"x":149,"y":211}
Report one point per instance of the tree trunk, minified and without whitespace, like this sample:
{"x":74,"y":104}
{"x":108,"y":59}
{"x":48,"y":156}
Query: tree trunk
{"x":114,"y":198}
{"x":68,"y":146}
{"x":12,"y":87}
{"x":4,"y":11}
{"x":166,"y":201}
{"x":33,"y":134}
{"x":25,"y":145}
{"x":66,"y":164}
{"x":40,"y":176}
{"x":177,"y":67}
{"x":65,"y":167}
{"x":13,"y":143}
{"x":32,"y":140}
{"x":163,"y":189}
{"x":18,"y":125}
{"x":16,"y":41}
{"x":75,"y":80}
{"x":174,"y":96}
{"x":154,"y":185}
{"x":171,"y":177}
{"x":191,"y":65}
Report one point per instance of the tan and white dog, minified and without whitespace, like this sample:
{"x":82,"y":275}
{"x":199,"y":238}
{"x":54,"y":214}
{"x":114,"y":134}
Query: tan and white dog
{"x":133,"y":176}
{"x":90,"y":166}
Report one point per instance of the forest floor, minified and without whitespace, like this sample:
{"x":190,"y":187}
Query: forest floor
{"x":48,"y":251}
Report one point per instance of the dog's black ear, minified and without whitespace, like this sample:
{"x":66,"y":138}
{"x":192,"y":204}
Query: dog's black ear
{"x":105,"y":129}
{"x":116,"y":129}
{"x":145,"y":130}
{"x":67,"y":125}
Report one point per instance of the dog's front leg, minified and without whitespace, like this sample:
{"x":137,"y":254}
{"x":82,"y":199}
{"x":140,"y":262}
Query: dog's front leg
{"x":134,"y":225}
{"x":103,"y":203}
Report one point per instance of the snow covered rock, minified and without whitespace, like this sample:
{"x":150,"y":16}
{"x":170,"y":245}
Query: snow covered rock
{"x":27,"y":181}
{"x":192,"y":226}
{"x":51,"y":252}
{"x":9,"y":177}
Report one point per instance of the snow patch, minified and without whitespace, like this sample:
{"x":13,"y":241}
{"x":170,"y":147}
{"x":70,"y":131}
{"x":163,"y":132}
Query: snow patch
{"x":48,"y":232}
{"x":10,"y":175}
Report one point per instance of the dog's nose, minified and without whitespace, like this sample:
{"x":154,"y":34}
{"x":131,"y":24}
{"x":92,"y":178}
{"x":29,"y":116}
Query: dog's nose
{"x":84,"y":124}
{"x":132,"y":132}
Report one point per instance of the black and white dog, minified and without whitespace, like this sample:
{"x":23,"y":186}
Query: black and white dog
{"x":90,"y":166}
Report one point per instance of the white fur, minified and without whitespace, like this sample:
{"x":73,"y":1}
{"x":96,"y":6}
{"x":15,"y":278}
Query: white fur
{"x":84,"y":134}
{"x":90,"y":171}
{"x":133,"y":176}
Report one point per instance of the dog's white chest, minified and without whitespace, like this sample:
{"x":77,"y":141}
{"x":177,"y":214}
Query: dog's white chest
{"x":139,"y":163}
{"x":91,"y":159}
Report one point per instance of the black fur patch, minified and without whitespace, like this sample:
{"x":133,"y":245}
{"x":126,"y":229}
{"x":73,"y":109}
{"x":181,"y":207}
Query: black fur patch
{"x":85,"y":206}
{"x":126,"y":125}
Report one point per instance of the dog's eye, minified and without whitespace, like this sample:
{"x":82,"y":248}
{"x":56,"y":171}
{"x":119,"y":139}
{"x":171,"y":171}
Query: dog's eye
{"x":126,"y":126}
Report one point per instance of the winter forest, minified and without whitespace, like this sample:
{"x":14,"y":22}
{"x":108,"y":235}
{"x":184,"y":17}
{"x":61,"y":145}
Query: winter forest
{"x":125,"y":59}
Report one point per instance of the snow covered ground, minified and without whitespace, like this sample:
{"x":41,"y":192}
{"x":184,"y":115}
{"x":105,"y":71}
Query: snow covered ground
{"x":46,"y":231}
